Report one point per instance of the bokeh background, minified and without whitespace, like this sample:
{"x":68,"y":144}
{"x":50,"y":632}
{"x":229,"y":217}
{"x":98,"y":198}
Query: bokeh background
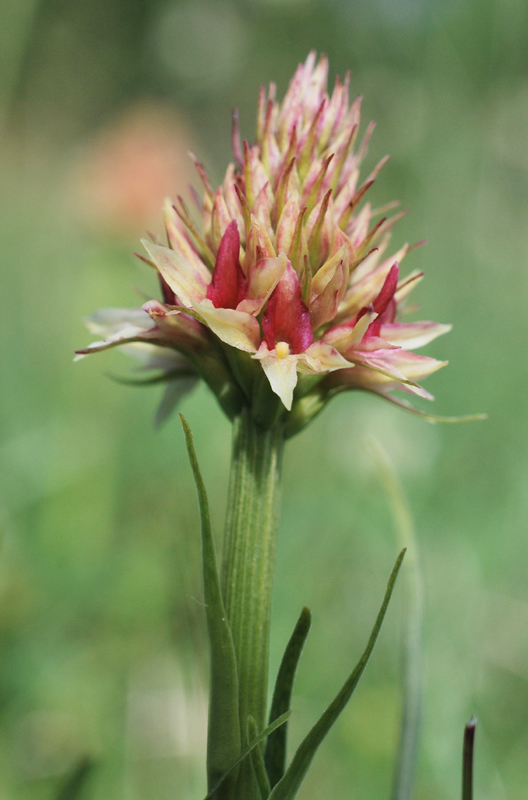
{"x":103,"y":652}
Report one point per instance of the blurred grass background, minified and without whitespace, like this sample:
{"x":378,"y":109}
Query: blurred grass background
{"x":101,"y":627}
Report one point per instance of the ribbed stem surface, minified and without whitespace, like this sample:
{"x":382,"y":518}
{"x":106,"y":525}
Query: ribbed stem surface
{"x":249,"y":554}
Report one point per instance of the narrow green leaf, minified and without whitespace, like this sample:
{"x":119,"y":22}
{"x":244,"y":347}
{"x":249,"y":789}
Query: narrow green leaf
{"x":288,"y":786}
{"x":260,"y":738}
{"x":275,"y":757}
{"x":223,"y":738}
{"x":467,"y":759}
{"x":257,"y":760}
{"x":76,"y":780}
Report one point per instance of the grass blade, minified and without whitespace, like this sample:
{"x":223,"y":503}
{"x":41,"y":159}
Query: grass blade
{"x":275,"y":757}
{"x":412,"y":649}
{"x":260,"y":738}
{"x":223,"y":737}
{"x":257,"y":760}
{"x":467,"y":759}
{"x":288,"y":786}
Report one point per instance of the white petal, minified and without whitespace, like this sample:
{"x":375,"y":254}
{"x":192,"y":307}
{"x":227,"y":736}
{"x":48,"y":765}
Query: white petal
{"x":155,"y":357}
{"x":411,"y":335}
{"x":282,"y":375}
{"x":127,"y":334}
{"x":400,"y":365}
{"x":109,"y":321}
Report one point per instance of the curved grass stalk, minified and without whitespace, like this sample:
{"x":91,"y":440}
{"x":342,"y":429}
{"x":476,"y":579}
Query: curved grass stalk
{"x":407,"y":753}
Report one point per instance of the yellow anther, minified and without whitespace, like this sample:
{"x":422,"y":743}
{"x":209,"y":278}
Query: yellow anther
{"x":282,"y":349}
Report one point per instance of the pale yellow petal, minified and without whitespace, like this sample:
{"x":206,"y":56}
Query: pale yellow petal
{"x":282,"y":375}
{"x":262,"y":279}
{"x":287,"y":222}
{"x":321,"y":357}
{"x":328,"y":288}
{"x":413,"y":334}
{"x":179,"y":242}
{"x":233,"y":327}
{"x":184,"y":280}
{"x":344,"y":338}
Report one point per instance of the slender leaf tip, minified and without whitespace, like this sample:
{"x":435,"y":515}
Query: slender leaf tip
{"x":289,"y":784}
{"x":275,"y":755}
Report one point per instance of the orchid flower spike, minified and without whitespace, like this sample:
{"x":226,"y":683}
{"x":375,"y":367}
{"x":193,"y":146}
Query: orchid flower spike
{"x":281,"y":295}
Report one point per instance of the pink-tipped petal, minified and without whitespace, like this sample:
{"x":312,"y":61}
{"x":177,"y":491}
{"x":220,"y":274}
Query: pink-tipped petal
{"x":287,"y":224}
{"x":179,"y":240}
{"x":348,"y":338}
{"x":231,"y":197}
{"x":398,"y":368}
{"x":366,"y":283}
{"x":262,"y":208}
{"x":175,"y":327}
{"x":220,"y":218}
{"x":321,"y":357}
{"x":413,"y":366}
{"x":262,"y":239}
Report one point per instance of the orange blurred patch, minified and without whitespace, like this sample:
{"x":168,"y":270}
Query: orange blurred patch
{"x":138,"y":159}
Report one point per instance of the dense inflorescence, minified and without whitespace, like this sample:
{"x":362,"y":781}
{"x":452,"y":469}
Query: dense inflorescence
{"x":278,"y":291}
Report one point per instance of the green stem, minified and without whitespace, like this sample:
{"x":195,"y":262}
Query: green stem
{"x":249,"y":555}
